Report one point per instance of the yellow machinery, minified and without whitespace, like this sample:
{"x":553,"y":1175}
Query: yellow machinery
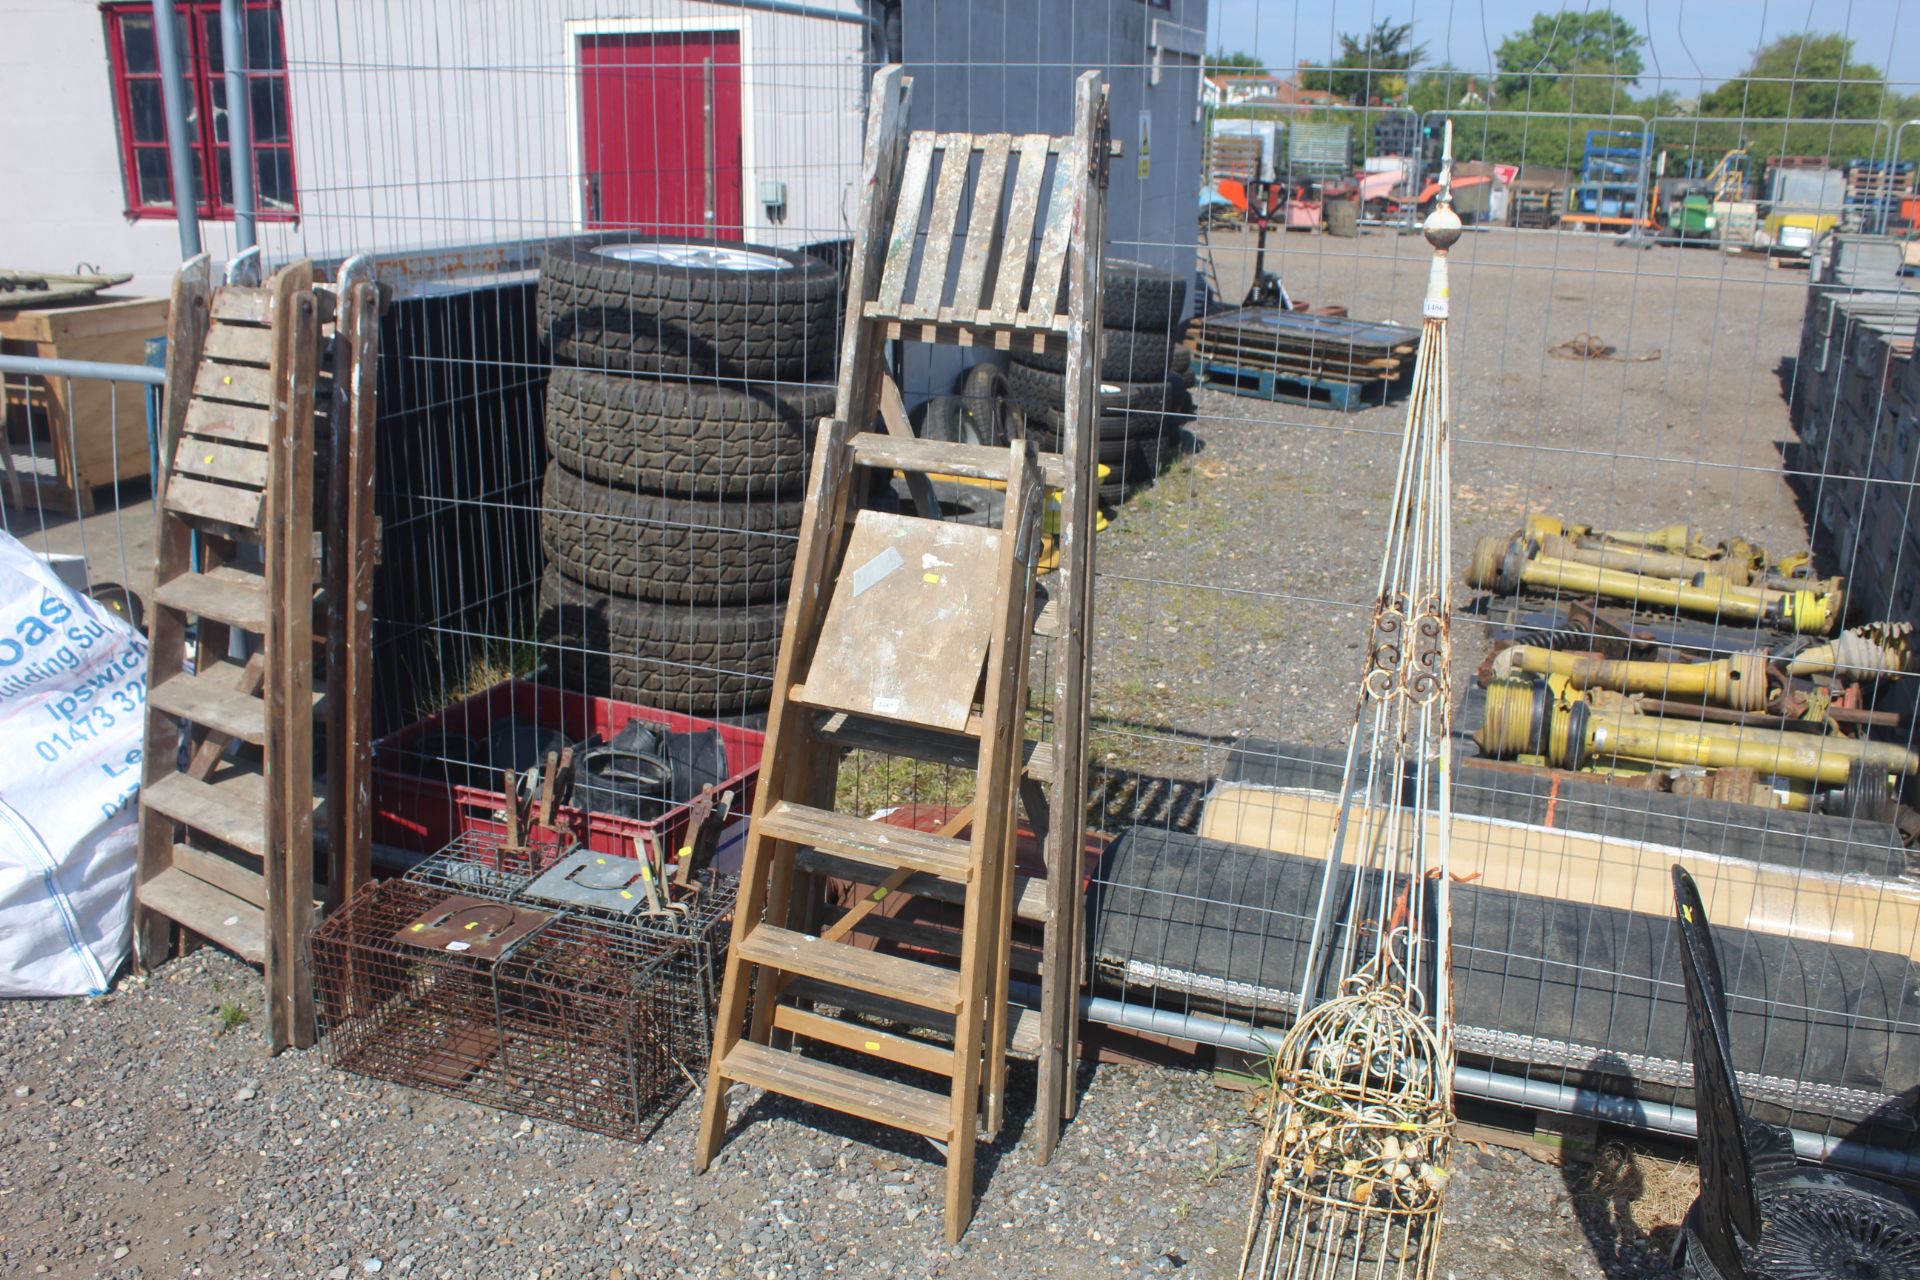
{"x":1739,"y":682}
{"x":1504,"y":565}
{"x":1523,"y":718}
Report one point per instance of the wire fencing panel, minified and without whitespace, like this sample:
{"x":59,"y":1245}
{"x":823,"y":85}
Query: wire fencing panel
{"x":583,"y":497}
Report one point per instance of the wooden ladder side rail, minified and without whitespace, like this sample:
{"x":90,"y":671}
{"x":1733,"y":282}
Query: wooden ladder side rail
{"x":1066,"y":828}
{"x":1003,"y":736}
{"x":352,"y":550}
{"x":790,"y":746}
{"x":288,"y":755}
{"x":979,"y":1037}
{"x":187,"y":320}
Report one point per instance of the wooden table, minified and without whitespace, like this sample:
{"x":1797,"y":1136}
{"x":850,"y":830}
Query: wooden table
{"x":96,"y":431}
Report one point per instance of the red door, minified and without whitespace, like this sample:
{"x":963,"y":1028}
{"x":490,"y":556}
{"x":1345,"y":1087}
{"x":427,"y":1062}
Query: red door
{"x":660,"y":119}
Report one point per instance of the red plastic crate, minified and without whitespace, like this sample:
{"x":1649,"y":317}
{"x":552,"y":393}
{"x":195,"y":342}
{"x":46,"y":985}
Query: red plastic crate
{"x":425,"y":814}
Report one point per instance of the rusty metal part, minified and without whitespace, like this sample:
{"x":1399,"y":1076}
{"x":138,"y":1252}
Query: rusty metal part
{"x":586,"y":1021}
{"x":474,"y":927}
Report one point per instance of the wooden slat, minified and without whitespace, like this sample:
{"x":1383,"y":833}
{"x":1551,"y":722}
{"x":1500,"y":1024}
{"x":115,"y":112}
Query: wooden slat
{"x":956,"y":154}
{"x":240,"y":344}
{"x":228,"y":595}
{"x":937,"y":940}
{"x":242,"y":424}
{"x":1013,"y":336}
{"x":1024,"y":1042}
{"x":861,"y":1039}
{"x":1043,"y":306}
{"x":876,"y":844}
{"x":1029,"y":900}
{"x":210,"y":698}
{"x":982,"y":223}
{"x":906,"y":223}
{"x":1015,"y":244}
{"x":854,"y":1093}
{"x":211,"y":912}
{"x":237,"y":303}
{"x":930,"y":457}
{"x":222,"y":873}
{"x":918,"y":742}
{"x":240,"y":383}
{"x":222,"y":810}
{"x":223,"y":503}
{"x":235,"y":464}
{"x":923,"y":985}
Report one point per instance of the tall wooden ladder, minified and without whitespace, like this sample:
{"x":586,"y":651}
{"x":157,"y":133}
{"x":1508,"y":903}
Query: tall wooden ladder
{"x":227,"y":836}
{"x":876,"y":653}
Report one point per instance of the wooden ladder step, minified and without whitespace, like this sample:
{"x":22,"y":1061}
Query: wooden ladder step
{"x":210,"y":698}
{"x":213,"y":913}
{"x":1029,"y":892}
{"x":941,"y":458}
{"x":1024,"y":1042}
{"x":909,"y":1051}
{"x":917,"y":742}
{"x":222,"y":812}
{"x":222,"y":873}
{"x":224,"y":504}
{"x":924,"y":985}
{"x":228,"y":595}
{"x":874,"y":844}
{"x":855,"y":1093}
{"x":939,"y":940}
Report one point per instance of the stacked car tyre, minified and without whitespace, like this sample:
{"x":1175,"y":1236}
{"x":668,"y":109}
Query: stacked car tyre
{"x":1144,"y":396}
{"x":679,"y":418}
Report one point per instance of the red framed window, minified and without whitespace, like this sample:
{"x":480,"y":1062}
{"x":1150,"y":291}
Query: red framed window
{"x":135,"y":65}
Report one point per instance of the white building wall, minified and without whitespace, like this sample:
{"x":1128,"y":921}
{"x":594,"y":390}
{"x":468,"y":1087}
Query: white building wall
{"x":415,"y":125}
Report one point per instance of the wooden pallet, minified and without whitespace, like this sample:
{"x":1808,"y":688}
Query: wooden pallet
{"x":911,"y":635}
{"x":227,"y":842}
{"x":1292,"y":388}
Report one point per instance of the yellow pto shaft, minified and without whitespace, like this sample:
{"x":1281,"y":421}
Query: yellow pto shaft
{"x":1739,"y":682}
{"x":1502,"y":565}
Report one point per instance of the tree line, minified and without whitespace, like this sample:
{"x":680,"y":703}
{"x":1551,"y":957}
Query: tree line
{"x":1567,"y":72}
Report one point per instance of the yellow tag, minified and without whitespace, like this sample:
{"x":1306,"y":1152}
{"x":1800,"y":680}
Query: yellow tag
{"x":686,"y":851}
{"x":933,"y":578}
{"x":600,"y":861}
{"x":227,"y":381}
{"x":880,"y":894}
{"x":418,"y":927}
{"x":473,"y":924}
{"x":209,"y":458}
{"x":625,"y":894}
{"x":873,"y":1046}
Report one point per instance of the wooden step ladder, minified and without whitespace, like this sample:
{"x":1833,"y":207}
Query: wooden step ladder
{"x":891,"y":622}
{"x":227,"y":841}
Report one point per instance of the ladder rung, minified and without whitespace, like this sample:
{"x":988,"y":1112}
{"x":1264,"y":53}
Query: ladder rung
{"x":941,"y":941}
{"x":898,"y":1106}
{"x":1026,"y":1021}
{"x":904,"y":1050}
{"x":240,"y":344}
{"x":220,"y":421}
{"x":209,"y":698}
{"x":874,"y":844}
{"x":211,"y":912}
{"x":1029,"y":892}
{"x":242,"y":303}
{"x":232,"y":596}
{"x":930,"y":457}
{"x":923,"y":985}
{"x":918,"y":742}
{"x":242,"y":384}
{"x":218,"y":460}
{"x":223,"y":812}
{"x":224,"y":504}
{"x":222,"y":873}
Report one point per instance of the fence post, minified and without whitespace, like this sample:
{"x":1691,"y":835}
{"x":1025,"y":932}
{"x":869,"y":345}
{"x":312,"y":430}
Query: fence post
{"x":233,"y":48}
{"x":186,"y":197}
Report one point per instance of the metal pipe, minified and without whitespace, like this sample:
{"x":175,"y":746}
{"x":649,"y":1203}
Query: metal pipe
{"x":1809,"y":757}
{"x":233,"y":50}
{"x":173,"y":101}
{"x":1495,"y":1086}
{"x":46,"y":367}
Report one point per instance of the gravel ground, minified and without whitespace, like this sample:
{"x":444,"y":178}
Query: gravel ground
{"x":1235,"y":589}
{"x":139,"y":1138}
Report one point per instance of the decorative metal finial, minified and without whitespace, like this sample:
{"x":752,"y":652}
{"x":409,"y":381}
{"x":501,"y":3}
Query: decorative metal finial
{"x":1442,"y":227}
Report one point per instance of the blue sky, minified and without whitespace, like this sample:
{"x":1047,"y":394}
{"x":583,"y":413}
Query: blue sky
{"x":1692,"y":44}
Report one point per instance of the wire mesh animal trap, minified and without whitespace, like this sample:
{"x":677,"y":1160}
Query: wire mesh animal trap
{"x":453,"y":981}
